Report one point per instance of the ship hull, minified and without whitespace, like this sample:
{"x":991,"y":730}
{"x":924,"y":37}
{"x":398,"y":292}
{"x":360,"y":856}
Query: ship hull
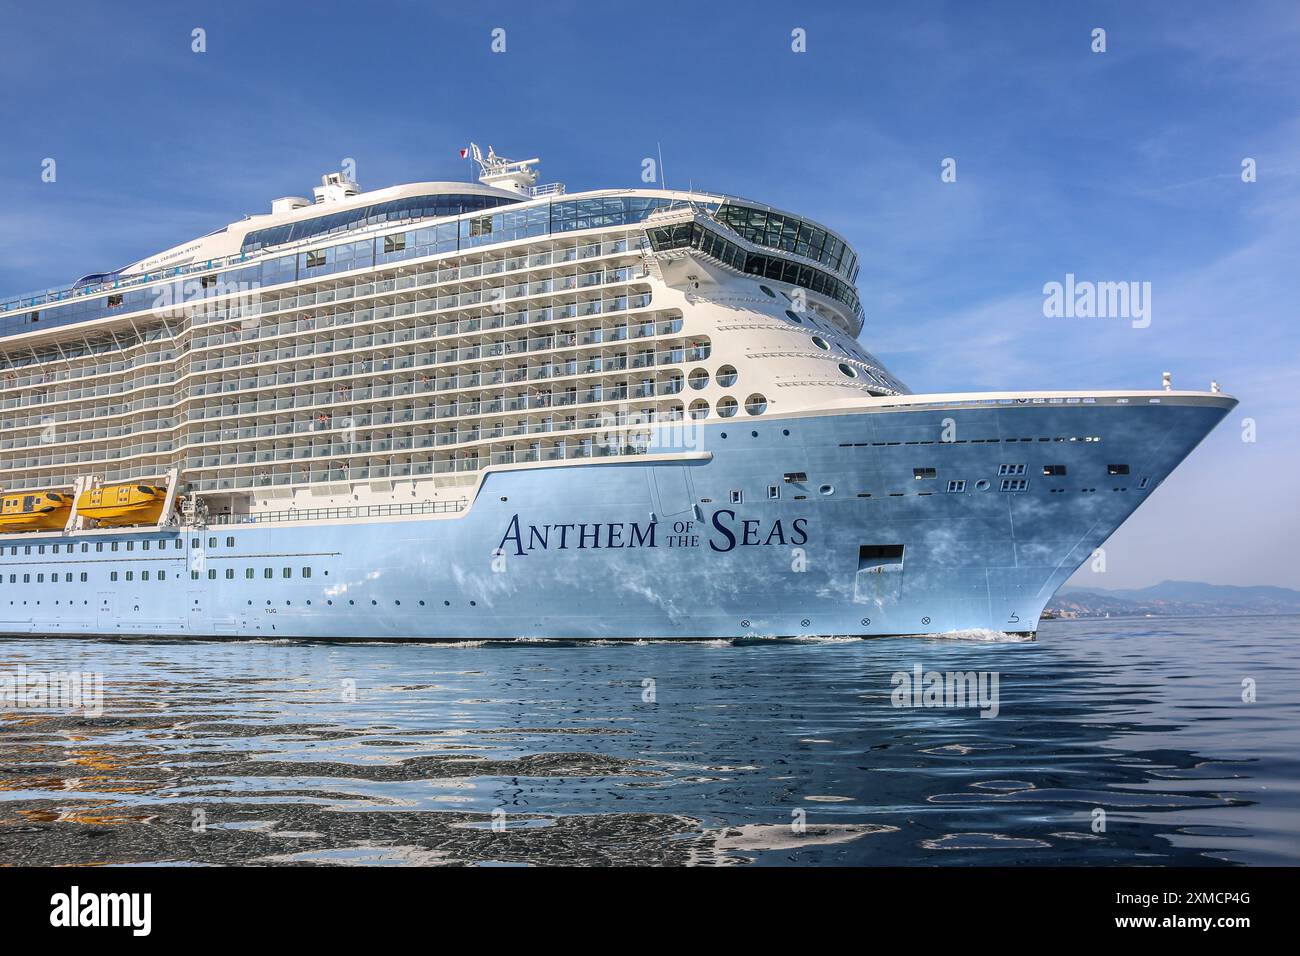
{"x":807,"y":525}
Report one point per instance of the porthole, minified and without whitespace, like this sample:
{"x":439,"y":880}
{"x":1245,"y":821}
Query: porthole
{"x":768,"y":291}
{"x":982,"y":485}
{"x":827,"y":489}
{"x":699,"y":409}
{"x":793,"y":317}
{"x":698,"y":379}
{"x":727,"y":406}
{"x":727,"y":376}
{"x":821,"y":343}
{"x":756,"y":404}
{"x":848,"y":371}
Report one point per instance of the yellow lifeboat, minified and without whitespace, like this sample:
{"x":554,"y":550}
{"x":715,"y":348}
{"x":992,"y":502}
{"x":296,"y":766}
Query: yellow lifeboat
{"x":34,"y":511}
{"x":119,"y":505}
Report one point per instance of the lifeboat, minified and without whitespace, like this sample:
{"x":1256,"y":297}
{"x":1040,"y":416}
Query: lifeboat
{"x":34,"y":511}
{"x":119,"y":505}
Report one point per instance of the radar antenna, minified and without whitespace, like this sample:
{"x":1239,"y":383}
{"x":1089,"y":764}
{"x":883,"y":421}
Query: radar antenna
{"x":515,"y":175}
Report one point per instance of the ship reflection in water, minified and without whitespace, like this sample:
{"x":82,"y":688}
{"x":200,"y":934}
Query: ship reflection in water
{"x":1111,"y":742}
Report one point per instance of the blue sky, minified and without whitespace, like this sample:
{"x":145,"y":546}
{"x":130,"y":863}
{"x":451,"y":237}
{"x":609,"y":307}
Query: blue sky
{"x":1114,"y":166}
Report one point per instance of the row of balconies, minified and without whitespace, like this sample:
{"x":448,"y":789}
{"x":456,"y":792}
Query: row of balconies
{"x":330,"y":288}
{"x":456,"y":411}
{"x":573,"y":395}
{"x":305,"y":469}
{"x":271,"y":304}
{"x":421,"y":384}
{"x":604,"y":335}
{"x":611,"y":333}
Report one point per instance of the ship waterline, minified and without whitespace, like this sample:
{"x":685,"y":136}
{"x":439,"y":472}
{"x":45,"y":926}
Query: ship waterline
{"x":505,"y":411}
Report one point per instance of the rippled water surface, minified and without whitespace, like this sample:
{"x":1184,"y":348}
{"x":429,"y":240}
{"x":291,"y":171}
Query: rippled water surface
{"x":1114,"y":742}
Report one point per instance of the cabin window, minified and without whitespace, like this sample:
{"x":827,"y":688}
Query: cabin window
{"x":161,"y":575}
{"x":1014,"y":484}
{"x":1117,"y":469}
{"x":306,"y":572}
{"x":230,"y":573}
{"x":286,"y":572}
{"x":315,"y":258}
{"x":83,"y":575}
{"x":115,"y":301}
{"x":1053,"y":469}
{"x":737,"y":497}
{"x":268,"y":573}
{"x":144,"y":575}
{"x":230,"y":542}
{"x":395,"y":243}
{"x":248,"y":573}
{"x":957,"y":485}
{"x":774,"y":491}
{"x":212,"y":542}
{"x":112,"y":575}
{"x":920,"y":473}
{"x":130,"y":575}
{"x":1004,"y":470}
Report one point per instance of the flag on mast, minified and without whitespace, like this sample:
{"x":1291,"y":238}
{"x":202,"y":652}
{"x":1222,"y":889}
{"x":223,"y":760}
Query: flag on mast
{"x":464,"y":154}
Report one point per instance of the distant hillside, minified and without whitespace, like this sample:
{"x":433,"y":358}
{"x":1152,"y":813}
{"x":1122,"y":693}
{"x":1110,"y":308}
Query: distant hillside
{"x":1175,"y":598}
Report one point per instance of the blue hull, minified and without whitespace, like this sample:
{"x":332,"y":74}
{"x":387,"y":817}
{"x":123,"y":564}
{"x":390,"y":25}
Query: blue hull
{"x":828,"y":524}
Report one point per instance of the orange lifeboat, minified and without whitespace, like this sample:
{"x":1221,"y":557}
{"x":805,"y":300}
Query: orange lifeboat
{"x":120,"y":505}
{"x":34,"y":511}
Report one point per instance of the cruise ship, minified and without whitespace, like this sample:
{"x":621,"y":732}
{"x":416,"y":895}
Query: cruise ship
{"x":500,"y":410}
